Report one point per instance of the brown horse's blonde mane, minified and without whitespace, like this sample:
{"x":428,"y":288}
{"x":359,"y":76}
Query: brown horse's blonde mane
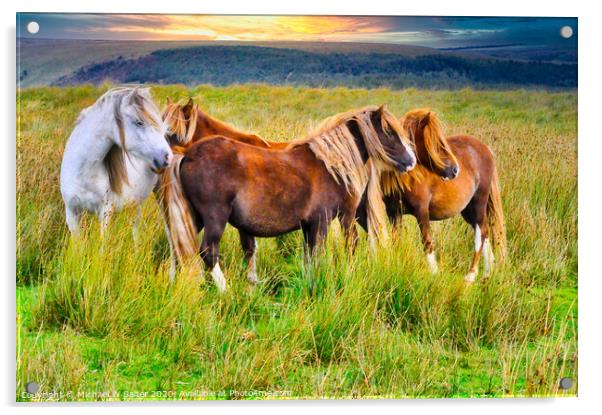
{"x":434,"y":142}
{"x":184,"y":127}
{"x":334,"y":144}
{"x":181,"y":126}
{"x":146,"y":110}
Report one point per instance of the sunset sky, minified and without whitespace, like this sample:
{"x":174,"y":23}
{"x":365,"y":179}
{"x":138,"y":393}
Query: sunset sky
{"x":440,"y":32}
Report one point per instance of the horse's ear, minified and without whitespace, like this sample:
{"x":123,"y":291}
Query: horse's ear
{"x":381,"y":110}
{"x":169,"y":101}
{"x":425,"y":120}
{"x":187,"y":108}
{"x":133,"y":97}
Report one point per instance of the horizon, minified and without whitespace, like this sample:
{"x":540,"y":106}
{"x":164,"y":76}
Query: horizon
{"x":423,"y":31}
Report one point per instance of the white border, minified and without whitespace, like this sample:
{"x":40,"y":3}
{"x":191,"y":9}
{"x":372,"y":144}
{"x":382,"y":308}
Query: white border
{"x":590,"y":199}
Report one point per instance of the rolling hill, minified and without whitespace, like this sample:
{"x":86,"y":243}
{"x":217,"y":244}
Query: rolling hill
{"x":72,"y":62}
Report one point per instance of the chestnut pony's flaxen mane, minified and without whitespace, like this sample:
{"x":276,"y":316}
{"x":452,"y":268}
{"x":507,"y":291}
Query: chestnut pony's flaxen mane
{"x":413,"y":122}
{"x":334,"y":144}
{"x":183,"y":123}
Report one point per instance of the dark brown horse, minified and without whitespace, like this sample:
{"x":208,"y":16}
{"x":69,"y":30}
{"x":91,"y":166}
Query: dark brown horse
{"x":454,"y":175}
{"x":266,"y":192}
{"x":187,"y":124}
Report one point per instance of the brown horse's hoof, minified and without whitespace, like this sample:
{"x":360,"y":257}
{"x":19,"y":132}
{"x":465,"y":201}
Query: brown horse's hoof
{"x":252,"y":278}
{"x":218,"y":278}
{"x":432,"y":263}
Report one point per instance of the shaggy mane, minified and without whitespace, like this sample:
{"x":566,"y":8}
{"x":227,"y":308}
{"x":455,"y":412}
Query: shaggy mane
{"x":184,"y":128}
{"x":334,"y":144}
{"x":414,"y":122}
{"x":146,"y":110}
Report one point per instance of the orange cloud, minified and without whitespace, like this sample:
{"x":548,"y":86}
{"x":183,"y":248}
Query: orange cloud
{"x":249,"y":28}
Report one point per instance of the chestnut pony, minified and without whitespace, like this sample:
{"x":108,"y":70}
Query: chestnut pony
{"x":187,"y":124}
{"x":454,"y":175}
{"x":266,"y":192}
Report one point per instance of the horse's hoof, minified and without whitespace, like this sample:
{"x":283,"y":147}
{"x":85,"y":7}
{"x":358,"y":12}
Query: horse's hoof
{"x":218,"y":278}
{"x":432,"y":263}
{"x":470,"y":277}
{"x":252,"y":278}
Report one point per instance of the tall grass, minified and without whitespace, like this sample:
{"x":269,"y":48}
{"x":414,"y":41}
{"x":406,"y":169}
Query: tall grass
{"x":98,"y":314}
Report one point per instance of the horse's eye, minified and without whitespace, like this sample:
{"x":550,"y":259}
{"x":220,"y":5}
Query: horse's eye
{"x":139,"y":123}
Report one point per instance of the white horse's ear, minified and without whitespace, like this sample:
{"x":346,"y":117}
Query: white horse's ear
{"x":132,"y":95}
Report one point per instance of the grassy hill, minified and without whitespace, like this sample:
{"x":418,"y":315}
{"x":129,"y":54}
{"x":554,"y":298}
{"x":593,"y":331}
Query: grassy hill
{"x":44,"y":62}
{"x":97,"y":317}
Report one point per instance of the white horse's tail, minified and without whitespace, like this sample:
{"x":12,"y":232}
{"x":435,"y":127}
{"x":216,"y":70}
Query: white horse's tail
{"x":178,"y":216}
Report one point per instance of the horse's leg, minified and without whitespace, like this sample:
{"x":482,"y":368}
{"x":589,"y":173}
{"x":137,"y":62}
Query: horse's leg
{"x":249,"y":246}
{"x":137,"y":216}
{"x":361,"y":214}
{"x":314,"y":234}
{"x":318,"y":234}
{"x":475,"y":214}
{"x":347,"y":220}
{"x":424,"y":222}
{"x":104,"y":217}
{"x":306,"y":229}
{"x":215,"y":223}
{"x":488,"y":257}
{"x":72,"y":217}
{"x":172,"y":255}
{"x":393,"y":205}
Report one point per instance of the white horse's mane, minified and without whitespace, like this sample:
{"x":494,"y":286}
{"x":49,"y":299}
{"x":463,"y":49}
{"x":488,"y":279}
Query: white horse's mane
{"x":146,"y":109}
{"x":141,"y":96}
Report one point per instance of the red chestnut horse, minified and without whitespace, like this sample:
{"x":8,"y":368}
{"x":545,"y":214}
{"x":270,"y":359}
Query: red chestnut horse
{"x":187,"y":124}
{"x":266,"y":192}
{"x":454,"y":175}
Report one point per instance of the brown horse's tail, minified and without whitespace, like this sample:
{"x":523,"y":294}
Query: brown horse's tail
{"x":176,"y":211}
{"x":495,"y":217}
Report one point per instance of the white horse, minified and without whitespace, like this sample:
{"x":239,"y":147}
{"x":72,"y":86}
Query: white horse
{"x":113,"y":156}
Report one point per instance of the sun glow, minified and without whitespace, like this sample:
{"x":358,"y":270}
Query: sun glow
{"x":246,"y":28}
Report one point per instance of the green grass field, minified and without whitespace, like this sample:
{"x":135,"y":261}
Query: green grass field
{"x":98,"y":319}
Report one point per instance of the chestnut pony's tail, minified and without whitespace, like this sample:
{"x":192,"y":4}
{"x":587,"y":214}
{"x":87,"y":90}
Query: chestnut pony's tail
{"x":176,"y":211}
{"x":495,"y":218}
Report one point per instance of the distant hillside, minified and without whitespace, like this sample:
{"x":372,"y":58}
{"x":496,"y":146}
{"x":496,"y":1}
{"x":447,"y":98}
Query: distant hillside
{"x":223,"y":65}
{"x":43,"y":61}
{"x":520,"y":52}
{"x":295,"y":63}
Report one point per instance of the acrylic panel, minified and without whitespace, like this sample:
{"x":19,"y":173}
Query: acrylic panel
{"x":218,"y":207}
